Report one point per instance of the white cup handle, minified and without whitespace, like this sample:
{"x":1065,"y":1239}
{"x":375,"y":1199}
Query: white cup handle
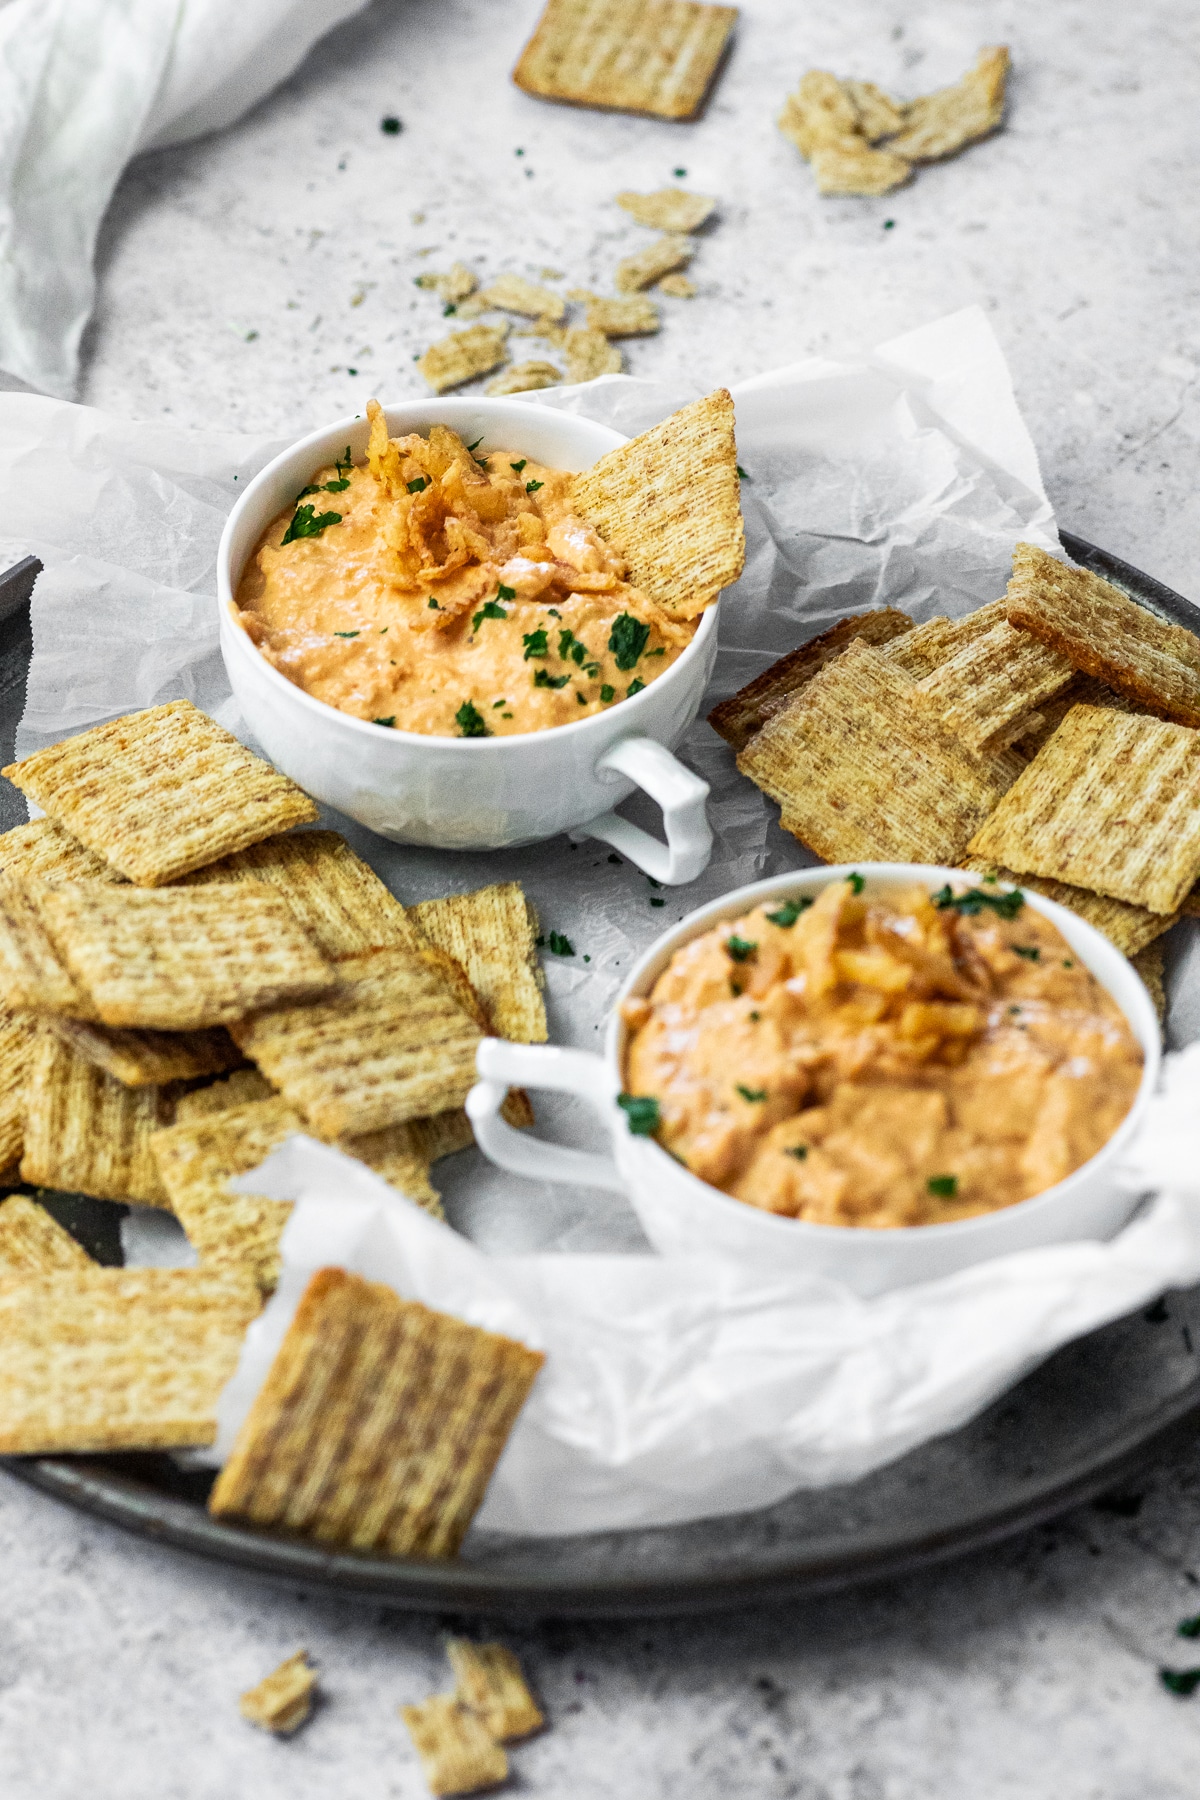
{"x":502,"y":1065}
{"x":680,"y":794}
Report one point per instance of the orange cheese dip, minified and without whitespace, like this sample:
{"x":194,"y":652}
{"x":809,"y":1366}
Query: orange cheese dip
{"x":455,"y":594}
{"x":883,"y":1061}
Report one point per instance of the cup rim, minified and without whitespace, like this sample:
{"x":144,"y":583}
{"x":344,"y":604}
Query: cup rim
{"x":381,"y":734}
{"x":739,"y":900}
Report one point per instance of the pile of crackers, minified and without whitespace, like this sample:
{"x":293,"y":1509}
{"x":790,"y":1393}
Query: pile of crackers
{"x":1051,"y":736}
{"x":187,"y":980}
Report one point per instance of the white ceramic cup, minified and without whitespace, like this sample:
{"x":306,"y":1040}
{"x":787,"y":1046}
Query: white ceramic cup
{"x":680,"y":1213}
{"x":474,"y":793}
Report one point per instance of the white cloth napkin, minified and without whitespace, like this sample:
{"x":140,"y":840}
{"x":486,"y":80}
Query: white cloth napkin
{"x":84,"y":86}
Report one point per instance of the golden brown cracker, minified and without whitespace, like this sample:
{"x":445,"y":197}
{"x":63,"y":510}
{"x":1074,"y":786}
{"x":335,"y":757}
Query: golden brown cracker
{"x":986,"y":692}
{"x":668,"y":209}
{"x":492,"y":934}
{"x":1150,"y":964}
{"x":378,"y":1425}
{"x":644,"y":56}
{"x":590,"y":354}
{"x":462,"y":356}
{"x":526,"y":378}
{"x":458,"y":1754}
{"x":32,"y":1242}
{"x":161,"y":792}
{"x":853,"y":167}
{"x":238,"y":1089}
{"x":512,"y":293}
{"x":648,"y":265}
{"x":669,"y":501}
{"x":456,"y":284}
{"x":878,"y":115}
{"x":488,"y":1681}
{"x":819,"y":112}
{"x":33,"y":976}
{"x":17,"y":1036}
{"x":631,"y":315}
{"x":282,"y":1700}
{"x":147,"y":1058}
{"x":86,"y":1133}
{"x":43,"y":851}
{"x":118,"y":1359}
{"x":1081,"y":690}
{"x":943,"y":123}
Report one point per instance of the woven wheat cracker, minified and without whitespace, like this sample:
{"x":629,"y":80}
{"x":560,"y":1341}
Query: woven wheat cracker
{"x":943,"y":123}
{"x":1081,"y":690}
{"x":43,"y":851}
{"x":526,"y":378}
{"x":1111,"y":803}
{"x":744,"y":713}
{"x":488,"y":1680}
{"x":282,"y":1700}
{"x":117,"y":1359}
{"x":88,"y":1134}
{"x":32,"y":1242}
{"x":668,"y":209}
{"x":238,"y":1089}
{"x":33,"y":976}
{"x":378,"y":1425}
{"x":492,"y":934}
{"x":147,"y":1058}
{"x":458,"y":1754}
{"x":669,"y":502}
{"x":161,"y":792}
{"x":462,"y":356}
{"x":1130,"y":928}
{"x":17,"y":1037}
{"x":646,"y":56}
{"x":986,"y":692}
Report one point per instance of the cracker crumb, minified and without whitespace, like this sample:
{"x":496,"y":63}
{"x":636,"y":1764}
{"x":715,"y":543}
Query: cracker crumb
{"x":282,"y":1700}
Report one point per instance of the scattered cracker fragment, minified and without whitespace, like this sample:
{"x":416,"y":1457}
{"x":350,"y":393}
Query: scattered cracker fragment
{"x":589,"y":354}
{"x":943,"y":123}
{"x":645,"y":267}
{"x":492,"y":933}
{"x":679,"y":287}
{"x":1150,"y":964}
{"x":32,"y":1242}
{"x":670,"y":502}
{"x":668,"y":209}
{"x":161,"y":792}
{"x":1130,"y":928}
{"x":339,"y":900}
{"x":512,"y":293}
{"x":861,"y":773}
{"x":458,"y":1754}
{"x":86,"y":1133}
{"x":378,"y":1425}
{"x":819,"y":112}
{"x":526,"y":378}
{"x":985,"y":692}
{"x":390,"y":1044}
{"x":1112,"y":803}
{"x":633,"y":316}
{"x":462,"y":356}
{"x":238,"y":1089}
{"x":33,"y":976}
{"x":853,"y":167}
{"x":1105,"y":634}
{"x":744,"y":713}
{"x":283,"y":1699}
{"x":178,"y":959}
{"x":488,"y":1680}
{"x":147,"y":1058}
{"x":43,"y":851}
{"x":455,"y":285}
{"x":646,"y":56}
{"x":195,"y":1161}
{"x":118,"y":1359}
{"x":878,"y":115}
{"x":17,"y":1036}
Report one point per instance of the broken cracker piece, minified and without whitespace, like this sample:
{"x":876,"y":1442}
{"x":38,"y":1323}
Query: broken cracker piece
{"x":462,"y":356}
{"x":195,"y":1161}
{"x":943,"y":123}
{"x":18,"y":1033}
{"x":455,"y":285}
{"x":458,"y":1754}
{"x":633,"y":316}
{"x":147,"y":1058}
{"x":679,"y":287}
{"x":86,"y":1133}
{"x":179,"y":959}
{"x":33,"y":976}
{"x":590,"y":354}
{"x":645,"y":56}
{"x":282,"y":1700}
{"x":986,"y":692}
{"x":488,"y":1680}
{"x":378,"y":1425}
{"x":645,"y":267}
{"x":819,"y":112}
{"x":878,"y":115}
{"x":492,"y":934}
{"x":853,"y":167}
{"x":160,"y":792}
{"x":669,"y":501}
{"x":668,"y":209}
{"x":512,"y":293}
{"x":744,"y":713}
{"x":1150,"y":964}
{"x":238,"y":1089}
{"x":32,"y":1242}
{"x":43,"y":851}
{"x":526,"y":378}
{"x":1112,"y":803}
{"x":1130,"y":928}
{"x":106,"y":1359}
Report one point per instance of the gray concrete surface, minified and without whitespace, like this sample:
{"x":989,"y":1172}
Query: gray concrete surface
{"x":1025,"y":1672}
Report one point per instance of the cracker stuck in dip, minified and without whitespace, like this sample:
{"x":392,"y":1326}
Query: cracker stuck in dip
{"x":451,"y":592}
{"x":881,"y":1059}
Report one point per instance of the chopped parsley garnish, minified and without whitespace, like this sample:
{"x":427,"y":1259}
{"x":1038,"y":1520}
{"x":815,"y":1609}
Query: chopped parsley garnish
{"x":755,"y":1017}
{"x":382,"y":630}
{"x":663,"y":903}
{"x":390,"y":720}
{"x":799,"y":1151}
{"x":1180,"y":1681}
{"x":433,"y":603}
{"x":474,"y":447}
{"x":582,"y":699}
{"x":1030,"y":952}
{"x":541,"y":679}
{"x":344,"y":463}
{"x":390,"y":126}
{"x":450,"y":307}
{"x":740,"y":949}
{"x":489,"y":610}
{"x":345,"y":634}
{"x":943,"y":1187}
{"x":535,"y":643}
{"x":628,"y":639}
{"x":560,"y":945}
{"x":566,"y":638}
{"x":554,"y":612}
{"x":419,"y":485}
{"x":857,"y":882}
{"x":1067,"y":963}
{"x":787,"y":914}
{"x":505,"y":593}
{"x":324,"y":487}
{"x":661,"y":651}
{"x":749,"y":1093}
{"x":308,"y":523}
{"x":635,"y":687}
{"x":496,"y":703}
{"x":1005,"y":906}
{"x":336,"y":487}
{"x":1189,"y":1628}
{"x":531,"y":487}
{"x":742,"y":472}
{"x":642,"y":1111}
{"x":517,"y":467}
{"x":592,"y":669}
{"x":470,"y":721}
{"x":607,"y":694}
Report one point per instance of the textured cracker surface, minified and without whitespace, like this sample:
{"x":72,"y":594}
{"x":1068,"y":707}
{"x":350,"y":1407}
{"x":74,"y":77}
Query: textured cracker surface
{"x":378,"y":1425}
{"x":32,"y":1242}
{"x":630,"y":315}
{"x":985,"y":691}
{"x":87,"y":1133}
{"x":589,"y":354}
{"x":943,"y":123}
{"x":43,"y":851}
{"x":33,"y":976}
{"x":462,"y":356}
{"x":668,"y":209}
{"x":17,"y":1037}
{"x":648,"y":265}
{"x":488,"y":1680}
{"x":147,"y":1058}
{"x":744,"y":713}
{"x":160,"y":792}
{"x":492,"y":934}
{"x":1150,"y":964}
{"x":512,"y":293}
{"x":237,"y":1089}
{"x":458,"y":1754}
{"x":648,"y":56}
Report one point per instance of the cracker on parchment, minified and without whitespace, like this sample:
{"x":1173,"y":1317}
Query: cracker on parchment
{"x":668,"y":209}
{"x":1150,"y":964}
{"x":489,"y":1681}
{"x":184,"y":958}
{"x":43,"y":851}
{"x":1105,"y":634}
{"x":118,"y":1359}
{"x":161,"y":792}
{"x":32,"y":1242}
{"x":1111,"y":803}
{"x":645,"y":56}
{"x":462,"y":356}
{"x":861,"y":773}
{"x":512,"y":293}
{"x":492,"y":934}
{"x":669,"y":501}
{"x":458,"y":1754}
{"x":945,"y":122}
{"x":282,"y":1700}
{"x":238,"y":1089}
{"x":86,"y":1133}
{"x":339,"y":900}
{"x":987,"y":691}
{"x":744,"y":713}
{"x":526,"y":378}
{"x":33,"y":976}
{"x":378,"y":1425}
{"x":631,"y":315}
{"x":147,"y":1058}
{"x":17,"y":1037}
{"x":646,"y":266}
{"x":1130,"y":928}
{"x":589,"y":354}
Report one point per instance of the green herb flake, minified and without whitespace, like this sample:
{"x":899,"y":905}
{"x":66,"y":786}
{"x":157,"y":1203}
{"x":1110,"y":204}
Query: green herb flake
{"x":531,"y":487}
{"x":505,"y":593}
{"x":383,"y":630}
{"x":1067,"y":963}
{"x":336,"y":487}
{"x":1189,"y":1628}
{"x":754,"y":1017}
{"x":582,"y":699}
{"x":799,"y":1151}
{"x":498,"y":703}
{"x":635,"y":687}
{"x":536,"y":643}
{"x":487,"y":611}
{"x":607,"y":694}
{"x":345,"y":462}
{"x":308,"y":523}
{"x":390,"y":126}
{"x":433,"y":603}
{"x":857,"y":882}
{"x":661,"y":651}
{"x":1005,"y":906}
{"x":474,"y":447}
{"x":390,"y":720}
{"x":470,"y":721}
{"x":943,"y":1187}
{"x":449,"y":308}
{"x":740,"y":949}
{"x":663,"y":903}
{"x":554,"y":612}
{"x":419,"y":485}
{"x":628,"y":639}
{"x":566,"y":638}
{"x":347,"y":634}
{"x":560,"y":945}
{"x":1183,"y":1682}
{"x":749,"y":1093}
{"x":518,"y":466}
{"x":542,"y":679}
{"x":786,"y":915}
{"x":1030,"y":952}
{"x":742,"y":473}
{"x":643,"y":1113}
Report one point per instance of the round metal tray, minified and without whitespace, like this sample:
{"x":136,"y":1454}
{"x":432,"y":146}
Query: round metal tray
{"x":1077,"y":1426}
